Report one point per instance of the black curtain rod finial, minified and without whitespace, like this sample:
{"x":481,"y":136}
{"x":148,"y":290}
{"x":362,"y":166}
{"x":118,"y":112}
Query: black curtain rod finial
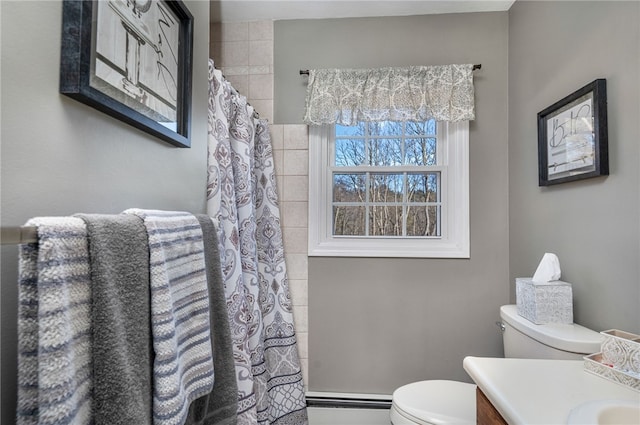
{"x":306,"y":71}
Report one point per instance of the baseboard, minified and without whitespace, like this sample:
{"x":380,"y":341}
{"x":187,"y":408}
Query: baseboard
{"x":348,"y":400}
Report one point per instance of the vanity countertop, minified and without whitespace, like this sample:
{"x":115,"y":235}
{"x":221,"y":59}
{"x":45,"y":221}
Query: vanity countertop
{"x":530,"y":391}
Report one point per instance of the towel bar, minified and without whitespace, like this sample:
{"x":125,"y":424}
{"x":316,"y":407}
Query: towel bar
{"x":18,"y":235}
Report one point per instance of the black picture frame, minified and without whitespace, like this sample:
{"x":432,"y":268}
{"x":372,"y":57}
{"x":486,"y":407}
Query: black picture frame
{"x":131,"y":60}
{"x":573,"y":136}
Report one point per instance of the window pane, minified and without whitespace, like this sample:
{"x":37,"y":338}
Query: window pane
{"x":431,"y":127}
{"x":385,"y":187}
{"x":347,"y":131}
{"x":385,"y":152}
{"x":349,"y":221}
{"x":421,"y":151}
{"x":423,"y":187}
{"x":385,"y":220}
{"x":385,"y":128}
{"x":423,"y":221}
{"x":349,"y":187}
{"x":427,"y":128}
{"x":349,"y":152}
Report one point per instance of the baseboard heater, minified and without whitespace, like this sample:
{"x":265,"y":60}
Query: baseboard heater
{"x":346,"y":400}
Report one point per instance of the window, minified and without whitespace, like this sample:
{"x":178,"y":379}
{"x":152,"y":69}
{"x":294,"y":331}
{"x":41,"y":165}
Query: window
{"x":389,"y":189}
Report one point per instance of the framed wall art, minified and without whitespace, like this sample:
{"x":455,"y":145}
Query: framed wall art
{"x":131,"y":59}
{"x":572,"y":136}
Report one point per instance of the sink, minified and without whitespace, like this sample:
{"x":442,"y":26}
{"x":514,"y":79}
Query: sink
{"x":606,"y":412}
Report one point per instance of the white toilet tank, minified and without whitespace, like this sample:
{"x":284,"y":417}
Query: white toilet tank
{"x":524,"y":339}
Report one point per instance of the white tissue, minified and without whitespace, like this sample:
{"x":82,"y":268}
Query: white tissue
{"x":548,"y":269}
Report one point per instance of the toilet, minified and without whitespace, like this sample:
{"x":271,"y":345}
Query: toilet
{"x":439,"y":402}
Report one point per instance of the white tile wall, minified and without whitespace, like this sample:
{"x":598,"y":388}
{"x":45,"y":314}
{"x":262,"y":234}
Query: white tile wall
{"x":295,"y":239}
{"x":237,"y":31}
{"x":244,"y":53}
{"x":297,"y":265}
{"x":299,"y":292}
{"x":261,"y":86}
{"x":294,"y":213}
{"x":277,"y":136}
{"x":235,"y":53}
{"x":261,"y":53}
{"x":296,"y":136}
{"x":261,"y":30}
{"x":296,"y":162}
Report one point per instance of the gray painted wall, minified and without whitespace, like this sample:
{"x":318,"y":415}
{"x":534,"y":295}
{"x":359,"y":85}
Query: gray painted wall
{"x":592,"y":225}
{"x":376,"y":324}
{"x":60,"y":157}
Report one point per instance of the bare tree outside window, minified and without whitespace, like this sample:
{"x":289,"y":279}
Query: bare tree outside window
{"x":384,"y":184}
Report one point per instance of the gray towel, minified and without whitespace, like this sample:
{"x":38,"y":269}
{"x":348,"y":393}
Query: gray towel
{"x":220,"y":406}
{"x":122,"y":350}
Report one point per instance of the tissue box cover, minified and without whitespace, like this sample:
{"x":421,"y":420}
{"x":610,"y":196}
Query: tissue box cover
{"x":544,"y":302}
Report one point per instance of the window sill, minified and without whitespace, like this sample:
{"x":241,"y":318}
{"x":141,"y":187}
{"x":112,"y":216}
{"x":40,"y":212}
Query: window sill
{"x":386,"y":248}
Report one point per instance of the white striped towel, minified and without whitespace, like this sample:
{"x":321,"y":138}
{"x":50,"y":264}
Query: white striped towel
{"x":54,"y":325}
{"x":183,"y":364}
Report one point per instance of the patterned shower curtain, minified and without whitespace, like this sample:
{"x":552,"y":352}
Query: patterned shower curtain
{"x":242,"y":197}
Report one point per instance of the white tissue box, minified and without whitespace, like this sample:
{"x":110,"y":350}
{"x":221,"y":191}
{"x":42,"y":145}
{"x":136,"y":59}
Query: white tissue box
{"x":544,"y":302}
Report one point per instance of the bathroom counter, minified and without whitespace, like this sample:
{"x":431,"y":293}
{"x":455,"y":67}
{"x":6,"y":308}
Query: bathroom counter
{"x":528,"y":391}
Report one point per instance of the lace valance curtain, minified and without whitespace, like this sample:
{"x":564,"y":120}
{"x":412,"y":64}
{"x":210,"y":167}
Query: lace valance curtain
{"x":415,"y":93}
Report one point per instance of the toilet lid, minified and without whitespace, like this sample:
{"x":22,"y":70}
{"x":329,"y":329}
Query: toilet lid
{"x":437,"y":402}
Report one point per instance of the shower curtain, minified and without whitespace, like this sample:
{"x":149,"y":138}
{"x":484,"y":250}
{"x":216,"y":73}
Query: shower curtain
{"x":242,"y":197}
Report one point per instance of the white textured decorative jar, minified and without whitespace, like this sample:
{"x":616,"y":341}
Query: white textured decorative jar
{"x":544,"y":302}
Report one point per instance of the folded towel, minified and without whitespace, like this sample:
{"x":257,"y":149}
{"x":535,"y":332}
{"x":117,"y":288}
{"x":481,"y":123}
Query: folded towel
{"x":183,"y":364}
{"x":54,"y":325}
{"x":122,"y":351}
{"x":221,"y":405}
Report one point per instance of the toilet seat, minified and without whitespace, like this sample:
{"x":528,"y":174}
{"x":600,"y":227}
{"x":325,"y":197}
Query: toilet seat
{"x":434,"y":402}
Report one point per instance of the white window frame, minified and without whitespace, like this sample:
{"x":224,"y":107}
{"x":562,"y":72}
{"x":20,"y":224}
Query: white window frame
{"x":453,"y":166}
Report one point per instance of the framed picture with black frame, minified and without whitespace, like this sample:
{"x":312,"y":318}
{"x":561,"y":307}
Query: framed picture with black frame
{"x":131,"y":59}
{"x":572,"y":136}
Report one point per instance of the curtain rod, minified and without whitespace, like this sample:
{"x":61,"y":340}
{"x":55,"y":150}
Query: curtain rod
{"x":27,"y":234}
{"x":306,"y":71}
{"x":18,"y":235}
